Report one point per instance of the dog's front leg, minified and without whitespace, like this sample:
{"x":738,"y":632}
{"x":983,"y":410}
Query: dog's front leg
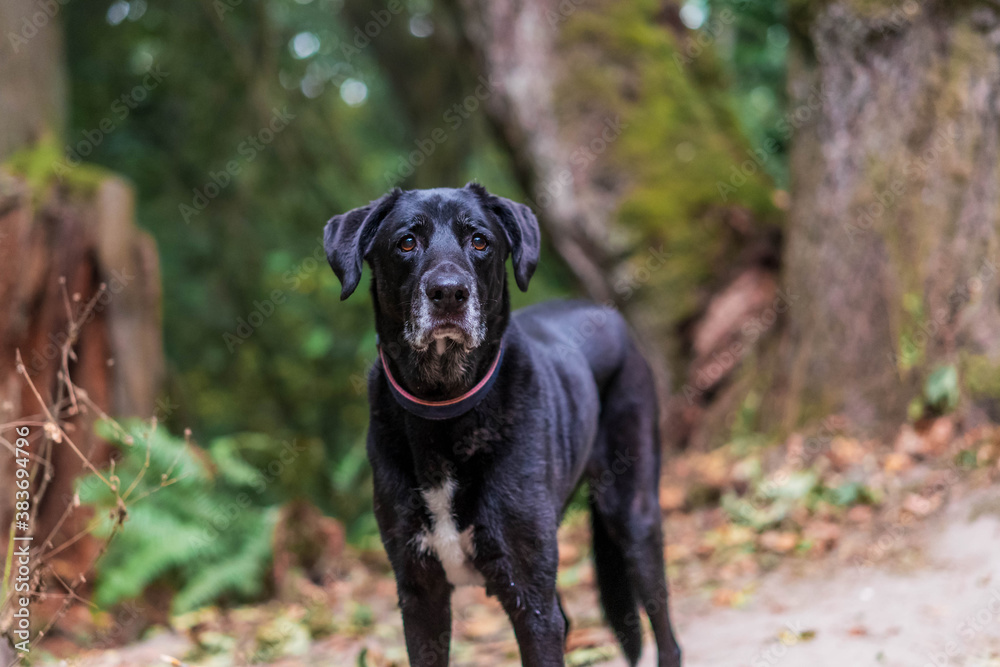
{"x":520,"y":564}
{"x":540,"y":629}
{"x":426,"y":607}
{"x":421,"y":584}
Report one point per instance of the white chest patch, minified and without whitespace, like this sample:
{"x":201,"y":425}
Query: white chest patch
{"x":455,"y":550}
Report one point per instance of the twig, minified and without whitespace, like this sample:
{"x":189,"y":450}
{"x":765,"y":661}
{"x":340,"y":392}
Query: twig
{"x":145,"y":466}
{"x":52,"y":420}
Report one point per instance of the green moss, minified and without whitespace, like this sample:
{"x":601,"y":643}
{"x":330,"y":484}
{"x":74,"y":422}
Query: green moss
{"x":681,"y":148}
{"x":873,"y":8}
{"x":970,"y":52}
{"x":43,"y":166}
{"x":981,"y":376}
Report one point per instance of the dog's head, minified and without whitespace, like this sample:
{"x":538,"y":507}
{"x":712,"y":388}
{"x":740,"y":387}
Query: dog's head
{"x":438,"y":260}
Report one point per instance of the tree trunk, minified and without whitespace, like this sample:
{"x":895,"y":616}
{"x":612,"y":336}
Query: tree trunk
{"x":616,"y":123}
{"x":59,"y":243}
{"x":32,"y":74}
{"x":892,"y":249}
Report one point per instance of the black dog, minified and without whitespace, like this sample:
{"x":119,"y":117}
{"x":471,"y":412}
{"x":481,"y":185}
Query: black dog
{"x":484,"y":423}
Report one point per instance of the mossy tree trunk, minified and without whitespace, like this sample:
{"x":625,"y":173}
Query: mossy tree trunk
{"x":616,"y":120}
{"x":892,"y":248}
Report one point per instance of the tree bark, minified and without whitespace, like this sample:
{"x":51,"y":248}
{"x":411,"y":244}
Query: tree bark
{"x":32,"y":74}
{"x":615,"y":120}
{"x":892,"y":247}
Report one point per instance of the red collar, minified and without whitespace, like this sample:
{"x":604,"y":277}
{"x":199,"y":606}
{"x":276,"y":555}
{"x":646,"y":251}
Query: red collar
{"x":451,"y":408}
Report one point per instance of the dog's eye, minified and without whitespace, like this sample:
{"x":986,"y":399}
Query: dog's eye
{"x":407,"y":243}
{"x":479,"y":242}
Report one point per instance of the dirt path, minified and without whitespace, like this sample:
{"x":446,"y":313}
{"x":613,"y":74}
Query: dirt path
{"x":931,"y":599}
{"x":939,"y":606}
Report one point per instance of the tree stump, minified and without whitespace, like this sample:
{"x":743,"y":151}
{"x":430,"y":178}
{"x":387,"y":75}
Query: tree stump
{"x":66,"y":244}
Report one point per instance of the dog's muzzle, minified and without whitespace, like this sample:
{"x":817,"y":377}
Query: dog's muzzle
{"x":446,"y":307}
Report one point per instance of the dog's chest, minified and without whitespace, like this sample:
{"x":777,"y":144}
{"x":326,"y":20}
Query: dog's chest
{"x":455,"y":550}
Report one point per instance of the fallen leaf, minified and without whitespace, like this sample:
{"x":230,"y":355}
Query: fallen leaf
{"x":909,"y":442}
{"x":671,"y":498}
{"x":790,"y":638}
{"x":860,"y":514}
{"x":845,"y":452}
{"x":940,"y":434}
{"x":778,"y":542}
{"x":897,"y":462}
{"x":920,"y":506}
{"x":723,"y":597}
{"x":824,"y":534}
{"x":568,"y":554}
{"x":677,"y":552}
{"x":483,"y":624}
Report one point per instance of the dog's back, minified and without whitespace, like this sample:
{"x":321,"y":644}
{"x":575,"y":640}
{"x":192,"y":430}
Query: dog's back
{"x":575,"y":331}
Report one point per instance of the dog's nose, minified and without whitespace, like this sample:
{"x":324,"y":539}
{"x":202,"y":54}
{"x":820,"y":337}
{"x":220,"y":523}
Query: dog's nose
{"x":448,"y":294}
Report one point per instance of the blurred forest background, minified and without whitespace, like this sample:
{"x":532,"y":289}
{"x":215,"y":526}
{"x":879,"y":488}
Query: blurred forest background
{"x":793,"y":202}
{"x":364,"y":112}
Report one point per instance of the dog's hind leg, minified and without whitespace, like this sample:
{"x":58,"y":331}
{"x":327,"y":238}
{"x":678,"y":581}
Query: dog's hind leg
{"x":645,"y":566}
{"x":562,"y":610}
{"x":625,"y":499}
{"x":616,"y":590}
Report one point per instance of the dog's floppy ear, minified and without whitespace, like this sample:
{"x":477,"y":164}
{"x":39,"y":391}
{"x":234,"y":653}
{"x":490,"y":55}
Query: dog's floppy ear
{"x":521,"y":227}
{"x":348,"y":238}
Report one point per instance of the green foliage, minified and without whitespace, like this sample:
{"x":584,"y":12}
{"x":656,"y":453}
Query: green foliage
{"x":940,"y":395}
{"x":198,"y":520}
{"x":981,"y":376}
{"x":39,"y":164}
{"x":753,"y":51}
{"x":257,"y":339}
{"x":772,"y":500}
{"x":941,"y":389}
